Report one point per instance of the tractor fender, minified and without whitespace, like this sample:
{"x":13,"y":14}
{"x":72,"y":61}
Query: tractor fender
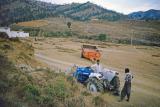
{"x":96,"y":75}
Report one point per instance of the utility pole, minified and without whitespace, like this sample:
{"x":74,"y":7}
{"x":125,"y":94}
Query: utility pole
{"x":87,"y":28}
{"x":131,"y":37}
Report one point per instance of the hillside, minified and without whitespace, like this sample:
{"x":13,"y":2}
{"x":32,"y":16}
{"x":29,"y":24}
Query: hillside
{"x":23,"y":10}
{"x":142,"y":32}
{"x":146,"y":15}
{"x":25,"y":82}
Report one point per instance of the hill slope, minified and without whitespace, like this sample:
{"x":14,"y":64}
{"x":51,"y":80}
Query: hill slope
{"x":12,"y":11}
{"x":23,"y":84}
{"x":119,"y":31}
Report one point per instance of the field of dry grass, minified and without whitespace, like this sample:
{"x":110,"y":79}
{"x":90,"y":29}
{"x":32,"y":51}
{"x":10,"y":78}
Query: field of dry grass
{"x":36,"y":23}
{"x":26,"y":82}
{"x":138,"y":30}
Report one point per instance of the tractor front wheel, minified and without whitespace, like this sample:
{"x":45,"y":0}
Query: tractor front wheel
{"x":92,"y":87}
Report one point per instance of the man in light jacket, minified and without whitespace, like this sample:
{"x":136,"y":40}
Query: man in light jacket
{"x":97,"y":67}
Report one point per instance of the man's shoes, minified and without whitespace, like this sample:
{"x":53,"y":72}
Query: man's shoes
{"x":120,"y":100}
{"x":127,"y":100}
{"x":116,"y":94}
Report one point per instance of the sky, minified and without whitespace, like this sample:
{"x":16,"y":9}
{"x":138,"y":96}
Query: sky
{"x":122,"y":6}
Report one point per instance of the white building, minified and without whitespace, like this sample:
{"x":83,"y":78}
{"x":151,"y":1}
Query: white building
{"x":13,"y":34}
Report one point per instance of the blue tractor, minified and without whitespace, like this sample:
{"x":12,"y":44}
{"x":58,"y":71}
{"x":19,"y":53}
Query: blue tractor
{"x":95,"y":82}
{"x":82,"y":74}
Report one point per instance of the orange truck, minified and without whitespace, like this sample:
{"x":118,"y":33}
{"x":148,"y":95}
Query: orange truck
{"x":90,"y":52}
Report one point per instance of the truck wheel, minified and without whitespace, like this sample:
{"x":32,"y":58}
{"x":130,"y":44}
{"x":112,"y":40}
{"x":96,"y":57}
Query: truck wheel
{"x":82,"y":55}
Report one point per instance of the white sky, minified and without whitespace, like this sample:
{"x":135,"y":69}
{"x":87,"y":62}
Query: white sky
{"x":122,"y":6}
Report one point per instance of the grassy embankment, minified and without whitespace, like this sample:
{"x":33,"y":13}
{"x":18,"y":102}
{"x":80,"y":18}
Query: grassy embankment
{"x":22,"y":84}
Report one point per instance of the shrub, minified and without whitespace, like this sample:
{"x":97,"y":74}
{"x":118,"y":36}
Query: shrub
{"x":3,"y":86}
{"x":124,"y":41}
{"x":99,"y":102}
{"x":31,"y":92}
{"x":102,"y":37}
{"x":58,"y":34}
{"x":16,"y":39}
{"x":67,"y":33}
{"x":4,"y":35}
{"x":60,"y":91}
{"x":75,"y":102}
{"x":85,"y":93}
{"x":71,"y":80}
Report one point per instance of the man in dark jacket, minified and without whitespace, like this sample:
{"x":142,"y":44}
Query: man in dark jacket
{"x":116,"y":84}
{"x":127,"y":85}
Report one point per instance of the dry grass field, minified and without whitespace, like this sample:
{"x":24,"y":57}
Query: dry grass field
{"x":36,"y":23}
{"x":118,"y":29}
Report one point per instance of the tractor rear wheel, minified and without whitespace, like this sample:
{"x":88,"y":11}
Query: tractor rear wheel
{"x":106,"y":84}
{"x":95,"y":85}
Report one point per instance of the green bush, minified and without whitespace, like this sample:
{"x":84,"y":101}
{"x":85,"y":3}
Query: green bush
{"x":124,"y":41}
{"x":71,"y":80}
{"x":60,"y":91}
{"x":99,"y":102}
{"x":58,"y":34}
{"x":3,"y":86}
{"x":102,"y":37}
{"x":75,"y":102}
{"x":86,"y":93}
{"x":67,"y":33}
{"x":31,"y":92}
{"x":16,"y":39}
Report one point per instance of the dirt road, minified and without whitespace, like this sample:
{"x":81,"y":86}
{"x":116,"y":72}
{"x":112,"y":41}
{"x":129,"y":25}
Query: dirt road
{"x":54,"y":63}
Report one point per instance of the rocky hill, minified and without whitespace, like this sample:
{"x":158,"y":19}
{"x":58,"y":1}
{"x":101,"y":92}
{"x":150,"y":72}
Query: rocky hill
{"x":146,"y":15}
{"x":12,"y":11}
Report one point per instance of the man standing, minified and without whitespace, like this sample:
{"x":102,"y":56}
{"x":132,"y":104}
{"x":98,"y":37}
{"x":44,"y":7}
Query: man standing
{"x":116,"y":84}
{"x":127,"y":85}
{"x":97,"y":67}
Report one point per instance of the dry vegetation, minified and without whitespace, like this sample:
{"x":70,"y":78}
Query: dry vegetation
{"x":36,"y":23}
{"x":24,"y":82}
{"x":117,"y":28}
{"x":141,"y":32}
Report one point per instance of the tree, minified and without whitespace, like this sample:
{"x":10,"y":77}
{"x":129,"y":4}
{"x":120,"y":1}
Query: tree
{"x":102,"y":37}
{"x":69,"y":24}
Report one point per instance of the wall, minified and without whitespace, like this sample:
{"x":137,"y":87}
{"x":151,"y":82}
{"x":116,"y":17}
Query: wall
{"x":13,"y":34}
